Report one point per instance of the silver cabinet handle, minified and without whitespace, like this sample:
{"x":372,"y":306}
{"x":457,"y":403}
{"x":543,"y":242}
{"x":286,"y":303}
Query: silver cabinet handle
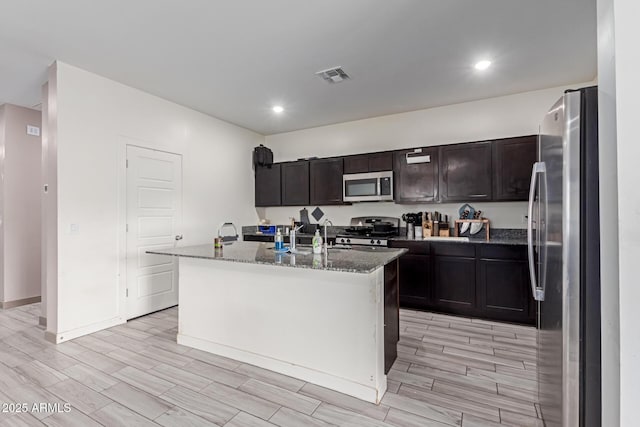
{"x":538,"y":168}
{"x":179,"y":237}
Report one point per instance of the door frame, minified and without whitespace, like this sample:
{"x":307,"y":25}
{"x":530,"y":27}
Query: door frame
{"x":121,"y":166}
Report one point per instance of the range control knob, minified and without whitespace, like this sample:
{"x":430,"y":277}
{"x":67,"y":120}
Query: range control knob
{"x":341,"y":240}
{"x":373,"y":241}
{"x":348,"y":240}
{"x":378,"y":242}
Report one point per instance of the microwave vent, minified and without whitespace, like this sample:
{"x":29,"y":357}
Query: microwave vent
{"x":333,"y":75}
{"x":417,"y":156}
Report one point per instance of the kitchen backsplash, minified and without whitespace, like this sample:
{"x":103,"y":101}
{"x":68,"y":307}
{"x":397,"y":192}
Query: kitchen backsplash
{"x":501,"y":214}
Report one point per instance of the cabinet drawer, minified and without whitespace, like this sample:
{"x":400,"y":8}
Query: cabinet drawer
{"x":416,"y":248}
{"x":515,"y":252}
{"x":454,"y":249}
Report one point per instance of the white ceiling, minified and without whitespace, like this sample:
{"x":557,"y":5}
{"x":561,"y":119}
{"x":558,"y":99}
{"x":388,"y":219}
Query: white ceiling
{"x":234,"y":59}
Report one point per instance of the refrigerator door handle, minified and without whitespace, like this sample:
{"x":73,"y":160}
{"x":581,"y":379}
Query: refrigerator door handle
{"x":538,"y":168}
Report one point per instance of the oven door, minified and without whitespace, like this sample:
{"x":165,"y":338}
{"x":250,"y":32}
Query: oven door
{"x":368,"y":187}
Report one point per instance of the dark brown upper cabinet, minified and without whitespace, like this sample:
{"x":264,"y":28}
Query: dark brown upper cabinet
{"x":513,"y":159}
{"x":363,"y":163}
{"x":326,"y":181}
{"x":295,"y":183}
{"x":415,"y":182}
{"x":465,"y":172}
{"x":268,"y":189}
{"x":356,"y":164}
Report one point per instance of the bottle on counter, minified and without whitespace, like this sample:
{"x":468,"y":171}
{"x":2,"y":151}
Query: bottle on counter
{"x":317,"y":243}
{"x":279,"y":241}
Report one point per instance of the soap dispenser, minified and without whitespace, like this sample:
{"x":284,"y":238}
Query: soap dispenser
{"x":317,"y":243}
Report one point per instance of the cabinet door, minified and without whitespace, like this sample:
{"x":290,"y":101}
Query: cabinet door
{"x":504,"y":292}
{"x":379,"y":162}
{"x":356,"y":164}
{"x":455,"y":284}
{"x":465,"y":172}
{"x":267,"y":188}
{"x":326,"y":181}
{"x":513,"y":159}
{"x":416,"y":182}
{"x":295,"y":183}
{"x":414,"y":280}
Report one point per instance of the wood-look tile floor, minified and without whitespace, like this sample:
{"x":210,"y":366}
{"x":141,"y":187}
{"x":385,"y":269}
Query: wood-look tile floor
{"x":449,"y":371}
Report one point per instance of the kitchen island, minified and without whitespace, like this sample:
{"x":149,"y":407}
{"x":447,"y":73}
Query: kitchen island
{"x":331,"y":320}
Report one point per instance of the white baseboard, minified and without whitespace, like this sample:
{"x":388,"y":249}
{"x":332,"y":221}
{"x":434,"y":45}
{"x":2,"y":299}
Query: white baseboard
{"x":361,"y":391}
{"x":59,"y":337}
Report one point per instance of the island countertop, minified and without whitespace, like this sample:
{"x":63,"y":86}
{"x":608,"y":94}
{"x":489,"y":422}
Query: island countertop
{"x":356,"y":260}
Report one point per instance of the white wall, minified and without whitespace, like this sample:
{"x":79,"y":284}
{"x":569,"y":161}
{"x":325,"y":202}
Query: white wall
{"x":50,"y":200}
{"x":500,"y":117}
{"x":610,"y":303}
{"x":625,"y":63}
{"x":21,"y":206}
{"x":44,"y":136}
{"x":96,"y":118}
{"x":2,"y":142}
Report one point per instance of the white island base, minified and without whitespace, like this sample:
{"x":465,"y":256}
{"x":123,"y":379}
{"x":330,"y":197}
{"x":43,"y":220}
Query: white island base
{"x":323,"y":327}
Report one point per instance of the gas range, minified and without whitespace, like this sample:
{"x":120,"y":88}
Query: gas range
{"x":345,"y":239}
{"x":369,"y":231}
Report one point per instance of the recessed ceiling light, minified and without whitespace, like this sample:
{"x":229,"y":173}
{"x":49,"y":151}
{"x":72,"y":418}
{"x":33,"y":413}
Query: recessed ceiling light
{"x":482,"y":65}
{"x":277,"y":109}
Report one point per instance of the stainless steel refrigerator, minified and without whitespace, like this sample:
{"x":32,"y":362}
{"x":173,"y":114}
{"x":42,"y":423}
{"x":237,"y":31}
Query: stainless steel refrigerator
{"x":564,"y":261}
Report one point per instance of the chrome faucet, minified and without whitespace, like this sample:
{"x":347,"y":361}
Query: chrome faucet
{"x":326,"y":242}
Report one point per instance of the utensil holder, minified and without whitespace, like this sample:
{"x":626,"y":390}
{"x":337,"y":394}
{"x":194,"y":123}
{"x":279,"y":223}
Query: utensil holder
{"x":485,"y":222}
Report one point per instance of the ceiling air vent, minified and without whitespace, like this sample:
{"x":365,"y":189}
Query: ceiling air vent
{"x":333,"y":75}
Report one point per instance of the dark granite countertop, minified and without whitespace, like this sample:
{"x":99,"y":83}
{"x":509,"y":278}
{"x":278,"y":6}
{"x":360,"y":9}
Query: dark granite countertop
{"x":492,"y":240}
{"x":252,"y":230}
{"x":298,"y":234}
{"x":357,"y":260}
{"x":497,"y":237}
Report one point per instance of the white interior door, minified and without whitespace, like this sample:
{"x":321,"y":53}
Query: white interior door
{"x":154,"y":207}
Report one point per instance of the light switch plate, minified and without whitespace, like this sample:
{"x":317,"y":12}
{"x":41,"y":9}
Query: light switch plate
{"x":33,"y":130}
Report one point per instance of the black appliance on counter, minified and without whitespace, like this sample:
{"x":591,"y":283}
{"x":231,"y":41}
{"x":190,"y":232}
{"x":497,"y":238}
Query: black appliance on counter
{"x":369,"y":231}
{"x":412,"y":218}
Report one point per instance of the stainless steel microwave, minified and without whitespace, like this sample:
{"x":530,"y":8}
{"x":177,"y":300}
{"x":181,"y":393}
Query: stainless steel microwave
{"x":368,"y":187}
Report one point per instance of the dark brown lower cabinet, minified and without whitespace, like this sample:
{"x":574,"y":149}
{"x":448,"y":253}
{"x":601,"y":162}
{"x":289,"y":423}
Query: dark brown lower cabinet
{"x":480,"y":280}
{"x":455,"y":284}
{"x":391,"y":314}
{"x":503,"y":284}
{"x":415,"y":273}
{"x":415,"y":292}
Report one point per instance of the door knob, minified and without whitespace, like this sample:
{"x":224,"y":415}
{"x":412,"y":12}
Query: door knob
{"x":179,"y":237}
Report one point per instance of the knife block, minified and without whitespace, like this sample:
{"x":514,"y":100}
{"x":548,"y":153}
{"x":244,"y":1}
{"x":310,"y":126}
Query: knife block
{"x":485,"y":223}
{"x":427,"y":228}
